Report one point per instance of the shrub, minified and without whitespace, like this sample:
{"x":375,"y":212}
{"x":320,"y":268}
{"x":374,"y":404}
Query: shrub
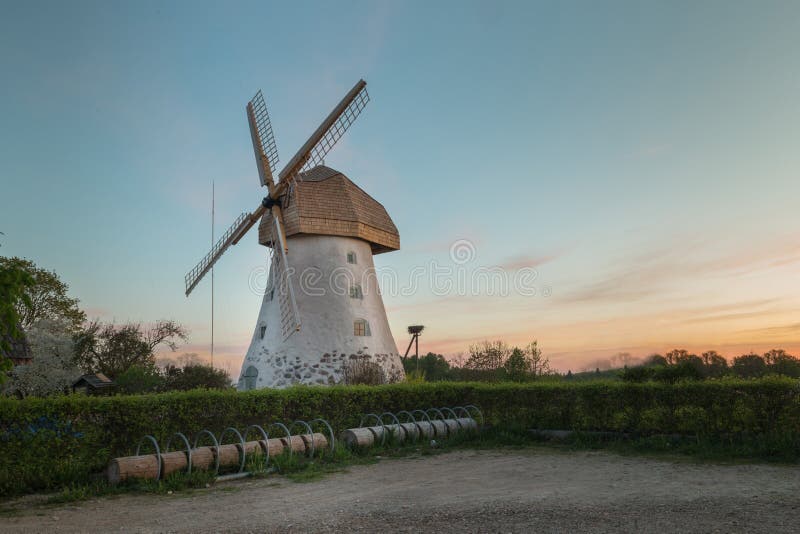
{"x":193,"y":376}
{"x":361,"y":371}
{"x":49,"y":443}
{"x":139,"y":379}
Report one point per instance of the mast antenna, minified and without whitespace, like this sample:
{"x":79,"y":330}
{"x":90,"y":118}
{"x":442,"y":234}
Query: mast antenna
{"x":212,"y":275}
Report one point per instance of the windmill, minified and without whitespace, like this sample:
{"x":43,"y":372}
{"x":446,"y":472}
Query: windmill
{"x":316,"y":224}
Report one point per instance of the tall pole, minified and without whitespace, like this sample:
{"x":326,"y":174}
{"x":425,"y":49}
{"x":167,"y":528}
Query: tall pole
{"x":416,"y":349}
{"x":212,"y":275}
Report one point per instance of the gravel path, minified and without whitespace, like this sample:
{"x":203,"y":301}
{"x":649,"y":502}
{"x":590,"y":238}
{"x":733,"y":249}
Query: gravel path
{"x":465,"y":491}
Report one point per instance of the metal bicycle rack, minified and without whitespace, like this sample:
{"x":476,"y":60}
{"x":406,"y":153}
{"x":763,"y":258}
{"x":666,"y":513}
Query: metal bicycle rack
{"x":220,"y":453}
{"x":231,"y":448}
{"x":431,"y":423}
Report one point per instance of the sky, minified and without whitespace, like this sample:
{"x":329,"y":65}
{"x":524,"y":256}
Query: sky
{"x":636,"y":161}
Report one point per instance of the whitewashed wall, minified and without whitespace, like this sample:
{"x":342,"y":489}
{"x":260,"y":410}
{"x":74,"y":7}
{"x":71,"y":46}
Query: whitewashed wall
{"x":326,"y":341}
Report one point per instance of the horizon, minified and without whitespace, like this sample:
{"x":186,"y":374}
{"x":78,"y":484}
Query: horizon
{"x":639,"y":161}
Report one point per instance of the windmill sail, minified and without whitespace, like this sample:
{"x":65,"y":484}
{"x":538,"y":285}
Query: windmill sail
{"x":280,"y":285}
{"x":313,"y":152}
{"x":264,"y":146}
{"x":194,"y":276}
{"x":337,"y":129}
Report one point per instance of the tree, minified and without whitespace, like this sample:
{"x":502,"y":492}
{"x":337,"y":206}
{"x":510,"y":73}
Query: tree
{"x":193,"y":376}
{"x":539,"y":365}
{"x":14,"y":284}
{"x":691,"y":360}
{"x":517,"y":366}
{"x":47,"y":296}
{"x":775,"y":355}
{"x":749,"y":366}
{"x":641,"y":373}
{"x":52,"y":370}
{"x":487,"y":355}
{"x":714,"y":364}
{"x":655,"y":360}
{"x":434,"y":367}
{"x":676,"y":355}
{"x":623,"y":358}
{"x":780,"y":362}
{"x":112,"y":350}
{"x":139,"y":379}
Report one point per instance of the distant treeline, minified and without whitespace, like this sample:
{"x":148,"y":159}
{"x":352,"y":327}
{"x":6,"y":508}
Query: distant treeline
{"x":495,"y":361}
{"x":681,"y":364}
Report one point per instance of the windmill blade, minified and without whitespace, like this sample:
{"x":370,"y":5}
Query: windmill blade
{"x":323,"y":139}
{"x":264,"y":146}
{"x":239,"y":226}
{"x":338,"y":128}
{"x":280,"y":282}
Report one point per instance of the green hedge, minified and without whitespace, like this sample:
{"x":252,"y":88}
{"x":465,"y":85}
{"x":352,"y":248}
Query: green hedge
{"x":53,"y":442}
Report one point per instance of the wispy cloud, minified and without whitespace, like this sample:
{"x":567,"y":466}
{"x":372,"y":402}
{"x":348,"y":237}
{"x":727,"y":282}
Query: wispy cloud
{"x":777,"y":331}
{"x":515,"y":263}
{"x":657,"y":271}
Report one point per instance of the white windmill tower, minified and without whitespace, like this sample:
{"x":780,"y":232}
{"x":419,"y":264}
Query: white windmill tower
{"x":322,"y":315}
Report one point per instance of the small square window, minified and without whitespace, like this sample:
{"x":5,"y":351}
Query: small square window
{"x":361,"y":327}
{"x":355,"y":292}
{"x":351,"y":257}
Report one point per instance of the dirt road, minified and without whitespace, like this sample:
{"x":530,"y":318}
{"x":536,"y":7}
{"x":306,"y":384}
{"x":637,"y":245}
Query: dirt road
{"x":528,"y":491}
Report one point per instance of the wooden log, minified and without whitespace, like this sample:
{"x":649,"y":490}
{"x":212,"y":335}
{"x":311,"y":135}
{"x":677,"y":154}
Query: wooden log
{"x":410,"y":430}
{"x":452,"y":426}
{"x":203,"y":458}
{"x":426,"y":429}
{"x":172,"y":462}
{"x":128,"y":467}
{"x":255,"y":447}
{"x":319,"y":440}
{"x":296,"y":444}
{"x":396,"y":433}
{"x":440,"y":428}
{"x":276,"y":447}
{"x":467,"y":423}
{"x":357,"y":438}
{"x":377,"y":432}
{"x":229,"y":455}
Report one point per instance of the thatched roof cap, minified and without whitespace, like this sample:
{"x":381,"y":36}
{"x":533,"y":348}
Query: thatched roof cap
{"x":325,"y":202}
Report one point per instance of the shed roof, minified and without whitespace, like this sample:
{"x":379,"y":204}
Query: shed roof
{"x":19,"y":348}
{"x":98,"y":380}
{"x":324,"y":201}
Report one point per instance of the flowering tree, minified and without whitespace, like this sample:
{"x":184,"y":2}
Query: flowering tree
{"x":52,"y":370}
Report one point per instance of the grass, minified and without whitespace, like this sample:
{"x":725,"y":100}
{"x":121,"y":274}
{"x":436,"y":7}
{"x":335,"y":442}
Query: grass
{"x":739,"y":449}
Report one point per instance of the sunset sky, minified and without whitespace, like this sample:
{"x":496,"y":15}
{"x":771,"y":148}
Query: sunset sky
{"x":642,"y":157}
